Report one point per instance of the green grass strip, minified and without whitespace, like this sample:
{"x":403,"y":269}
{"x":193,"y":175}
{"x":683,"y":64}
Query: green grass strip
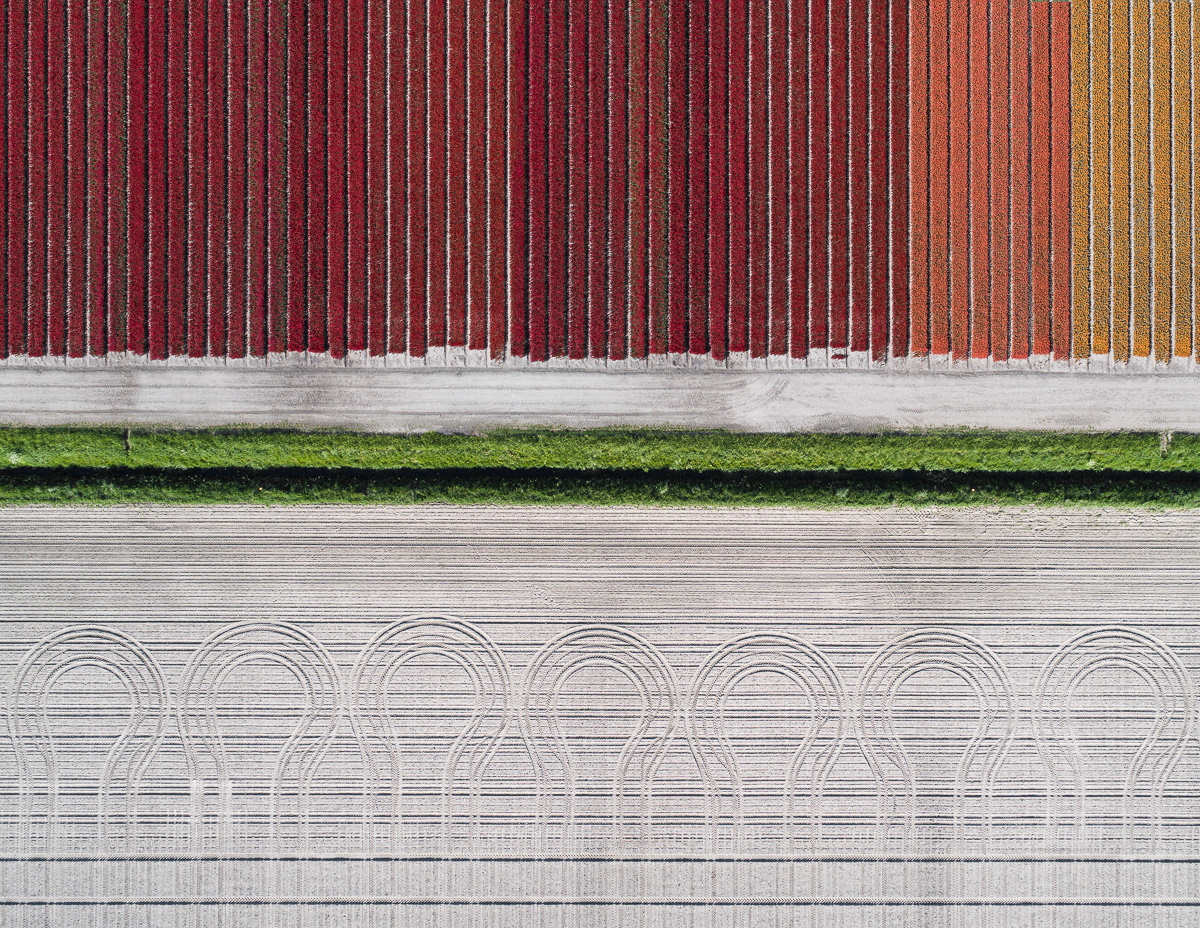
{"x":614,"y":449}
{"x":598,"y":467}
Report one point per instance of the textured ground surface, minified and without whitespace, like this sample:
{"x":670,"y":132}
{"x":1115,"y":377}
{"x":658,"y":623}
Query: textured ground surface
{"x":426,"y":716}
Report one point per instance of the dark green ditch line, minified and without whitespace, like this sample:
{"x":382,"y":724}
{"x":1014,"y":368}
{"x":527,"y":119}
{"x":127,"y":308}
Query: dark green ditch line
{"x":558,"y":486}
